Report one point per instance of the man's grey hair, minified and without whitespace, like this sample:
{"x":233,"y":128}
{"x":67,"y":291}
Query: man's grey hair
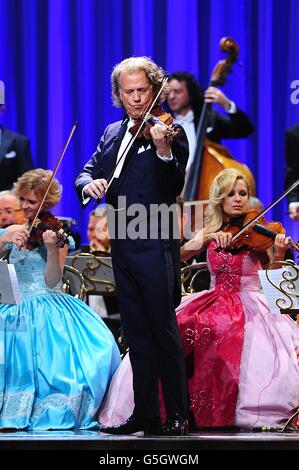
{"x":154,"y":74}
{"x":7,"y":192}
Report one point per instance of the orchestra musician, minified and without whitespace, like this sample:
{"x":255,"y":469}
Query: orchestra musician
{"x":58,"y":356}
{"x":10,"y":209}
{"x":146,"y":268}
{"x":241,"y":359}
{"x":185,"y":100}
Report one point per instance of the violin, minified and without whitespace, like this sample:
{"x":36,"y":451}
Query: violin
{"x":47,"y":221}
{"x":259,"y":236}
{"x":151,"y":116}
{"x":157,"y":116}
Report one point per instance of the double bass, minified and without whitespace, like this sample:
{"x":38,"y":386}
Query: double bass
{"x":211,"y":158}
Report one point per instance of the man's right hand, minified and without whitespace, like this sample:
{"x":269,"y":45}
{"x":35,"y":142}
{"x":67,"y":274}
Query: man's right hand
{"x":17,"y":234}
{"x":96,"y":189}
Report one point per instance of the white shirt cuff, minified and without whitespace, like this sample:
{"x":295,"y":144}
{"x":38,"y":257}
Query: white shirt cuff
{"x":232,"y":108}
{"x":165,"y":159}
{"x":85,"y":199}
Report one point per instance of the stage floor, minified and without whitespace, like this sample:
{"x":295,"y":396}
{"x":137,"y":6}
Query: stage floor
{"x":199,"y":441}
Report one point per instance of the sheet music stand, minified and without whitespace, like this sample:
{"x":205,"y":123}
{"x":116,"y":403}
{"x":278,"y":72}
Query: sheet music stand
{"x":9,"y":285}
{"x":288,"y":286}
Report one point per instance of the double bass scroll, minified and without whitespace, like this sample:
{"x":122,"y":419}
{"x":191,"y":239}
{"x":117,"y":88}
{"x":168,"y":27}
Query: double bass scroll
{"x":210,"y":158}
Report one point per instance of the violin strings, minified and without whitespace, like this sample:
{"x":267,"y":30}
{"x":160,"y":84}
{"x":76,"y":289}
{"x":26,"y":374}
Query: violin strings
{"x":252,"y":221}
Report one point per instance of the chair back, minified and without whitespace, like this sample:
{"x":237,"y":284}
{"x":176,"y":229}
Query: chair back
{"x":73,"y":283}
{"x":190,"y":273}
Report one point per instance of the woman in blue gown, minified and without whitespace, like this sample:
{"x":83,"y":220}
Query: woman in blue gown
{"x":56,"y":355}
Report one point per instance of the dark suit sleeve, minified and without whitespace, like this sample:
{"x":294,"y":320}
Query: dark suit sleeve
{"x":292,"y":162}
{"x":229,"y":126}
{"x":172,"y":174}
{"x":25,"y":162}
{"x":91,"y":171}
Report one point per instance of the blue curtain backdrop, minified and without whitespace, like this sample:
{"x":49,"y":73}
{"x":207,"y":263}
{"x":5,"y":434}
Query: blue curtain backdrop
{"x":56,"y":58}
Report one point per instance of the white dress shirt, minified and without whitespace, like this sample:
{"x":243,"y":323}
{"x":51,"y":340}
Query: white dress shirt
{"x":187,"y":122}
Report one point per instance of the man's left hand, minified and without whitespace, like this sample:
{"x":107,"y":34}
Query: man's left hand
{"x":213,"y":95}
{"x":161,"y":143}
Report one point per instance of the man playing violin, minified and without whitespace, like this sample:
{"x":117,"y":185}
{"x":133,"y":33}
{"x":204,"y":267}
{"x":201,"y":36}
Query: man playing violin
{"x":146,"y":268}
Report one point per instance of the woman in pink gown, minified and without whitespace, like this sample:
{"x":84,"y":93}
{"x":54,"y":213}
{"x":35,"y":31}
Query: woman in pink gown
{"x":242,"y":360}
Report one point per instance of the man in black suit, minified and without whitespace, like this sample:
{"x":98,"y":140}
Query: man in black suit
{"x":146,"y":266}
{"x":15,"y":154}
{"x":292,"y":169}
{"x":185,"y":101}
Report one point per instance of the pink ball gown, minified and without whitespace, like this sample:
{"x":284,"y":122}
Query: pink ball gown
{"x":242,"y":360}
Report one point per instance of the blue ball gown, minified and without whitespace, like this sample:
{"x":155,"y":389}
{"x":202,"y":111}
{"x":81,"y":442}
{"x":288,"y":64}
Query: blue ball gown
{"x":56,"y":355}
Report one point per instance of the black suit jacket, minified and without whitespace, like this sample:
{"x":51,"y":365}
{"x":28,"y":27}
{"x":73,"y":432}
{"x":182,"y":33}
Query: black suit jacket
{"x":292,"y":161}
{"x":145,"y":179}
{"x":228,"y":126}
{"x":15,"y":157}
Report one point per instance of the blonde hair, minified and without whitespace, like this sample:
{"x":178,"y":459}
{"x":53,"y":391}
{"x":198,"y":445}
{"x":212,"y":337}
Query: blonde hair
{"x":154,"y":74}
{"x":222,"y":185}
{"x":37,"y":181}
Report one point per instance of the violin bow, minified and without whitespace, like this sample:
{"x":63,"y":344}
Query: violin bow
{"x":134,"y":137}
{"x":53,"y":175}
{"x":252,"y":221}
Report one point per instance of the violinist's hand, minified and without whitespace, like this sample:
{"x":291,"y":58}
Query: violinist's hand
{"x":281,"y":244}
{"x":158,"y":134}
{"x":214,"y":95}
{"x":96,"y":188}
{"x":17,"y":234}
{"x":221,"y":238}
{"x":50,"y":239}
